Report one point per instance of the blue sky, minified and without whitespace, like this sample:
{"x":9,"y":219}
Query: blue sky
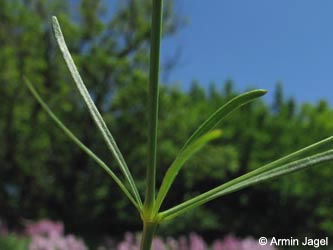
{"x":257,"y":43}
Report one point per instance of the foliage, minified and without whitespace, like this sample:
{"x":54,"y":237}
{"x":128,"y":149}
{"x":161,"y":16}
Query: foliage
{"x":28,"y":48}
{"x":13,"y":242}
{"x":61,"y":182}
{"x":151,"y":215}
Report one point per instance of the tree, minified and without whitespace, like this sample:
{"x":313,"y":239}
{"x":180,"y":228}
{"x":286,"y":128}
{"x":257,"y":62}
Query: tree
{"x":51,"y":177}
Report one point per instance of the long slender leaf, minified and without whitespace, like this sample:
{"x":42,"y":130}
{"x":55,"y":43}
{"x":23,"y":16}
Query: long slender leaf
{"x":179,"y":162}
{"x":269,"y":171}
{"x":79,"y":143}
{"x":203,"y":129}
{"x":223,"y":111}
{"x":93,"y":109}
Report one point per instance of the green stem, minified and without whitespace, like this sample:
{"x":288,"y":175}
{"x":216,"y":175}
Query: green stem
{"x":149,"y":229}
{"x":153,"y":96}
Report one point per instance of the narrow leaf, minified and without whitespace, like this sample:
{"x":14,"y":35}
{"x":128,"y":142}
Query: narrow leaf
{"x":269,"y":171}
{"x":179,"y":162}
{"x":203,"y":129}
{"x":93,"y":109}
{"x":79,"y":143}
{"x":223,"y":111}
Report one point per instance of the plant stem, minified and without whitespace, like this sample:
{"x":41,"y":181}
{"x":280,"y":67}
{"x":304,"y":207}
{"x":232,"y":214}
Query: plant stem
{"x":149,"y":229}
{"x":153,"y":96}
{"x":149,"y":225}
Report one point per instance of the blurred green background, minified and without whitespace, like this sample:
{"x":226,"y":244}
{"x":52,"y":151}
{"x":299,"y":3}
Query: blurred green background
{"x":44,"y":175}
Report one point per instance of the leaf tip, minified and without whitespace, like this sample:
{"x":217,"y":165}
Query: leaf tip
{"x":262,"y":92}
{"x":26,"y":80}
{"x":216,"y":133}
{"x":54,"y":19}
{"x":55,"y":26}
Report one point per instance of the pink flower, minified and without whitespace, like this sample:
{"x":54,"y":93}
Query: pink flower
{"x":196,"y":242}
{"x":48,"y":235}
{"x":44,"y":227}
{"x":129,"y":243}
{"x":158,"y":244}
{"x":230,"y":242}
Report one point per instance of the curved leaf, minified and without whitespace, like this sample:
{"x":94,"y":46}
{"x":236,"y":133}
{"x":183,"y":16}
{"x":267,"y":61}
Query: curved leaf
{"x":79,"y":143}
{"x":275,"y":169}
{"x":93,"y":109}
{"x":223,"y":111}
{"x":179,"y":162}
{"x":200,"y":134}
